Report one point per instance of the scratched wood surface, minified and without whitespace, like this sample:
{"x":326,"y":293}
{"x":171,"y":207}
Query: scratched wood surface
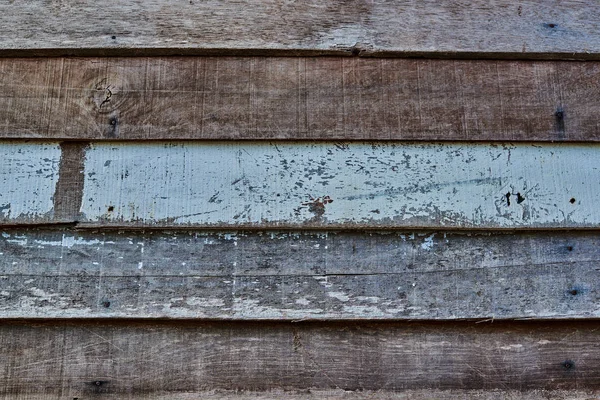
{"x":90,"y":360}
{"x":354,"y":185}
{"x":496,"y":28}
{"x":298,"y":276}
{"x":335,"y":394}
{"x":322,"y":98}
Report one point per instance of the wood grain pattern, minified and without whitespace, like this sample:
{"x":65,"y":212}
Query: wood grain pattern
{"x":90,"y":360}
{"x":497,"y":28}
{"x":341,"y":185}
{"x":298,"y":98}
{"x":295,"y":275}
{"x":335,"y":394}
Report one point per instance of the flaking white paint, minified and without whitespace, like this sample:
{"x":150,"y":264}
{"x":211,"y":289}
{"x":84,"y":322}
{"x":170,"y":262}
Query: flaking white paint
{"x":28,"y":176}
{"x":425,"y":185}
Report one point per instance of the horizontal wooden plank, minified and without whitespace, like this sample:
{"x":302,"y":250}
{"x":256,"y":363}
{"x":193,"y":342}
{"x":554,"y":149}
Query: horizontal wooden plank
{"x":298,"y":98}
{"x":303,"y":185}
{"x":341,"y":185}
{"x":84,"y":360}
{"x":493,"y":28}
{"x":335,"y":394}
{"x":298,"y":276}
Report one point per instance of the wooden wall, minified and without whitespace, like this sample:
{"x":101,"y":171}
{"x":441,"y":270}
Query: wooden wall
{"x":362,"y":199}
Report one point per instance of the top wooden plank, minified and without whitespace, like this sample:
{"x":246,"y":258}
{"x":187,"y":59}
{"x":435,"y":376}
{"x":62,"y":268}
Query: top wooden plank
{"x":537,"y":29}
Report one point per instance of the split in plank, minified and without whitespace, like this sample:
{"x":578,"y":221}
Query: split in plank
{"x":298,"y":98}
{"x":298,"y":276}
{"x":87,"y":359}
{"x":483,"y":28}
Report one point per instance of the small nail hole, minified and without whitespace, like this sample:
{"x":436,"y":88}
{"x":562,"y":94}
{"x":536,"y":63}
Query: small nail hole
{"x":568,"y":364}
{"x":113,"y":37}
{"x":98,"y":383}
{"x":106,"y":304}
{"x":574,"y":292}
{"x":111,"y":208}
{"x":572,"y":201}
{"x":570,"y":248}
{"x":551,"y":25}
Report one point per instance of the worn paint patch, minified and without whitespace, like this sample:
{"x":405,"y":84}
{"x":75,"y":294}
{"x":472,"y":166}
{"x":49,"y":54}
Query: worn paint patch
{"x":325,"y":184}
{"x":28,"y":176}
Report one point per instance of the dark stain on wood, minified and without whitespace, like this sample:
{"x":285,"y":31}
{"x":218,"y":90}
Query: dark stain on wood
{"x":69,"y":188}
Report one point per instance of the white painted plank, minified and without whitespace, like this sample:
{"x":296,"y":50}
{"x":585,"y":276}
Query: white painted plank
{"x":28,"y":177}
{"x":233,"y":184}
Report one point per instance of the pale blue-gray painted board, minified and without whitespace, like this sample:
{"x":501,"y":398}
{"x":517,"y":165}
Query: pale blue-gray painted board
{"x":28,"y":177}
{"x":287,"y":184}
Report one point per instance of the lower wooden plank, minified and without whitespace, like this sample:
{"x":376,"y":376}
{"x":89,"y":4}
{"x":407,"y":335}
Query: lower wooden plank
{"x":298,"y":275}
{"x":335,"y":394}
{"x":86,"y":359}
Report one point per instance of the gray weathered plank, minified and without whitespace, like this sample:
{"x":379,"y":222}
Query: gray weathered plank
{"x":335,"y":394}
{"x":298,"y":98}
{"x":294,"y":275}
{"x":348,"y":185}
{"x":85,"y":360}
{"x":496,"y":28}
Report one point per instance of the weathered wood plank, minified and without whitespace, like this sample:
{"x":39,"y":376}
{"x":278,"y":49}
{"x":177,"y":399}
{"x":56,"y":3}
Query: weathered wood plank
{"x":335,"y":394}
{"x":497,"y":28}
{"x":347,"y":185}
{"x":294,"y":276}
{"x":28,"y":177}
{"x":86,"y":359}
{"x":298,"y":98}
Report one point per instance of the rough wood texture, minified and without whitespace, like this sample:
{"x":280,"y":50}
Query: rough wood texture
{"x":87,"y":360}
{"x":335,"y":394}
{"x":497,"y":28}
{"x":298,"y":98}
{"x":294,"y":276}
{"x":348,"y":185}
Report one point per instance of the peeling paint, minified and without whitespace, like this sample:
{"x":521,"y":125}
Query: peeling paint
{"x":450,"y":184}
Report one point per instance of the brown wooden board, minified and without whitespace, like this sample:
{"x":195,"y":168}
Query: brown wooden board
{"x":483,"y":28}
{"x":298,"y":275}
{"x":87,"y":360}
{"x":337,"y":394}
{"x":298,"y":98}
